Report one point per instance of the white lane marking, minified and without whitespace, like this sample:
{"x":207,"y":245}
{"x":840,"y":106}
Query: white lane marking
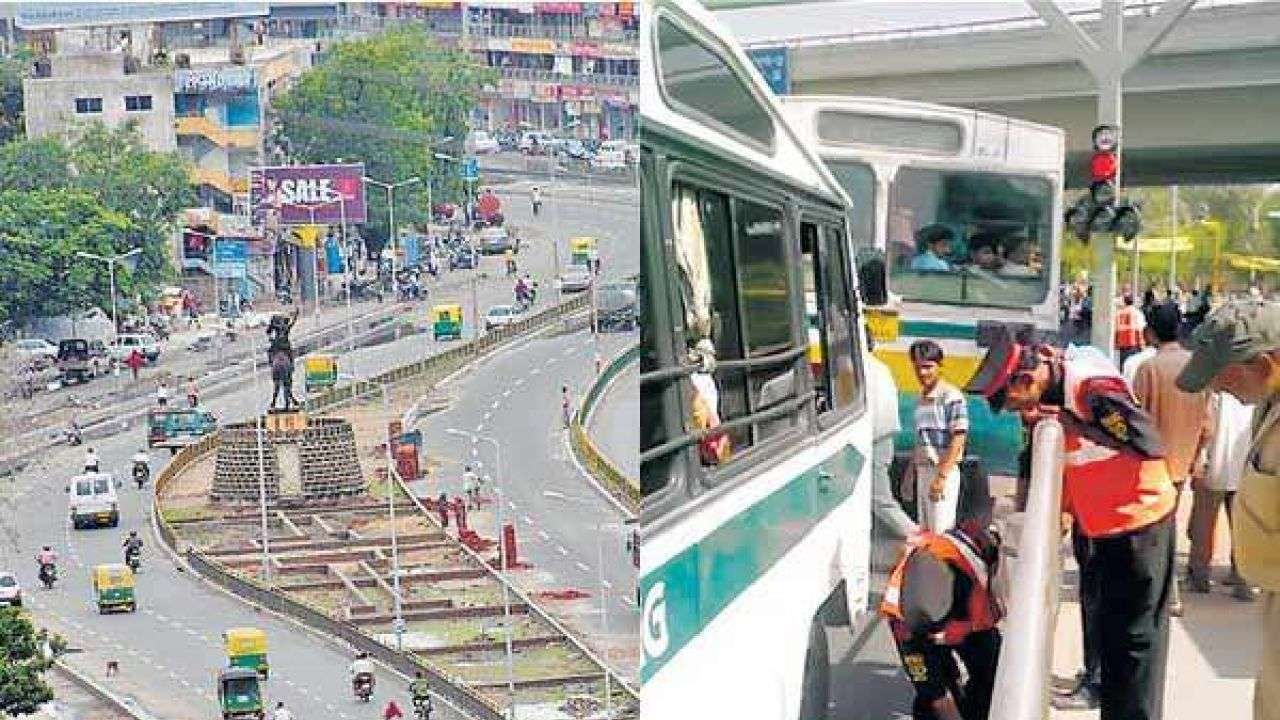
{"x":543,"y":534}
{"x":560,"y":549}
{"x":582,"y":566}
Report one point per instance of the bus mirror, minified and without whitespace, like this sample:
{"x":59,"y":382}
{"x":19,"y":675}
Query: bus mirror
{"x":871,"y":276}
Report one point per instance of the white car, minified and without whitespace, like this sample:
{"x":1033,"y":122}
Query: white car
{"x":575,"y":278}
{"x":610,"y":160}
{"x":481,"y":143}
{"x":500,"y":315}
{"x":35,"y":347}
{"x":10,"y":590}
{"x":535,"y":139}
{"x":145,"y":343}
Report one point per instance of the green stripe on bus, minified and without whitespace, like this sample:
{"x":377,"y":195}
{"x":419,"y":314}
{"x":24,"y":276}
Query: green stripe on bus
{"x":936,"y":329}
{"x":687,"y":592}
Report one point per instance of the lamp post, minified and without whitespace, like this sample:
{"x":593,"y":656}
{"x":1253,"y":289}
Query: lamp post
{"x":315,"y":250}
{"x":111,"y":272}
{"x":391,"y":221}
{"x":398,"y":622}
{"x":502,"y":560}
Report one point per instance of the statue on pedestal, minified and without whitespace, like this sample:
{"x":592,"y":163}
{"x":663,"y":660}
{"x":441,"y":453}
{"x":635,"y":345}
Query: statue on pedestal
{"x":280,"y":356}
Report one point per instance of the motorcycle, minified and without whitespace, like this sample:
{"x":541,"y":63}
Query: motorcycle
{"x":362,"y":686}
{"x":141,"y":474}
{"x":133,"y":558}
{"x":48,"y":574}
{"x":422,"y":708}
{"x":73,"y":436}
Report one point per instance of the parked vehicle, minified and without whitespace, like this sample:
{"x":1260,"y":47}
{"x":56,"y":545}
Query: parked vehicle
{"x":616,"y":307}
{"x":145,"y":343}
{"x":78,"y":361}
{"x":178,"y":427}
{"x":497,"y":240}
{"x":488,"y":210}
{"x":37,"y":348}
{"x":481,"y":143}
{"x":575,"y":278}
{"x":464,"y":258}
{"x":10,"y":589}
{"x":536,"y":142}
{"x":500,"y":315}
{"x":92,"y":500}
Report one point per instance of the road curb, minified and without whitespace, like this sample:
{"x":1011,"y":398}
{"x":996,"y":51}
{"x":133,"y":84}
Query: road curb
{"x":95,"y":688}
{"x":606,"y":476}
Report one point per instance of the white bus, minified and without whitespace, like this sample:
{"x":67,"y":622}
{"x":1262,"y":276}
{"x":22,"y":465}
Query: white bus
{"x":992,"y":186}
{"x":755,"y":446}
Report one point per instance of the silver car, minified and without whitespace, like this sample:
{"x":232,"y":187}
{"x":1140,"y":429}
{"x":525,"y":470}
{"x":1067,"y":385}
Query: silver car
{"x":10,"y":590}
{"x":575,"y":278}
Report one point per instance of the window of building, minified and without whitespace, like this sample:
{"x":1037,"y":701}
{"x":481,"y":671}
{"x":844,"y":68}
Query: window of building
{"x":137,"y":103}
{"x":88,"y":105}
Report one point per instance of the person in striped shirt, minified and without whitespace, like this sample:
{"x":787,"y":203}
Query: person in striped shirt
{"x":942,"y":425}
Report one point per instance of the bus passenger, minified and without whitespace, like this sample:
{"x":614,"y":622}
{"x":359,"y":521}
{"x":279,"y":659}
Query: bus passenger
{"x":933,"y":242}
{"x":942,"y":426}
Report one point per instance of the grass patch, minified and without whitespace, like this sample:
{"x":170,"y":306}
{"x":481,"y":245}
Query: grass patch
{"x":191,"y":513}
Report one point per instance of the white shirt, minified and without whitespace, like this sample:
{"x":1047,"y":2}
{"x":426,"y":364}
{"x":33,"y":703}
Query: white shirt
{"x":1134,"y":361}
{"x":882,"y":394}
{"x":361,"y":666}
{"x":281,"y":714}
{"x":90,"y":458}
{"x":1232,"y":423}
{"x":163,"y":392}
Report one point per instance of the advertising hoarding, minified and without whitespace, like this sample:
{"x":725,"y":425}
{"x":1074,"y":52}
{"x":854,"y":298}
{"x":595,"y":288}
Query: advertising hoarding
{"x":293,"y":191}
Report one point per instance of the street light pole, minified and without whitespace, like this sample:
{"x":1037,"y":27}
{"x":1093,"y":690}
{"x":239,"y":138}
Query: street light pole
{"x":398,"y":623}
{"x":502,"y":561}
{"x":390,"y":187}
{"x":111,"y":274}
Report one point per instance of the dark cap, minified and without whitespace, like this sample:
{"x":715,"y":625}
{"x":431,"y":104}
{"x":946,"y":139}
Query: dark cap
{"x":1003,"y":358}
{"x":1236,"y":332}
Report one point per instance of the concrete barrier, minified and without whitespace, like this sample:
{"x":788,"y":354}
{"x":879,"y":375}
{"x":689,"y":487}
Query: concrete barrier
{"x":626,"y":490}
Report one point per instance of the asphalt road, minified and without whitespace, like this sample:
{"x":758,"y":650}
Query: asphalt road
{"x":615,"y":423}
{"x":169,"y":651}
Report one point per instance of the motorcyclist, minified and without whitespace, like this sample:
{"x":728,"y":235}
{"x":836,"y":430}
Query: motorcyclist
{"x":280,"y":713}
{"x":47,"y":558}
{"x":141,"y":464}
{"x":90,"y":460}
{"x":420,"y":690}
{"x":361,"y":668}
{"x":132,"y":545}
{"x":537,"y":200}
{"x":193,"y":391}
{"x":522,"y":291}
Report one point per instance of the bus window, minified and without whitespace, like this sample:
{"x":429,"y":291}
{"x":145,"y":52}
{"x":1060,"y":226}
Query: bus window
{"x":829,"y":311}
{"x":698,"y":79}
{"x":970,"y":238}
{"x":815,"y":305}
{"x":658,"y":421}
{"x":859,"y":181}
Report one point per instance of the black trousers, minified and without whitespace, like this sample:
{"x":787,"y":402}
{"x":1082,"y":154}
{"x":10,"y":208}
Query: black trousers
{"x":1134,"y":572}
{"x":934,"y":672}
{"x":1088,"y":596}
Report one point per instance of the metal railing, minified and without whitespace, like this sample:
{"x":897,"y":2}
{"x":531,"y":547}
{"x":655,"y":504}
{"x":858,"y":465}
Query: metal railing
{"x":1026,"y":657}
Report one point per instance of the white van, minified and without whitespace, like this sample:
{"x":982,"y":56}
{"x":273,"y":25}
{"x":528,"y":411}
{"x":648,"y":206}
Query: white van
{"x":93,"y":501}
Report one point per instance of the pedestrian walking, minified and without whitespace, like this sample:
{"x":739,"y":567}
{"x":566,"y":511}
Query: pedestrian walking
{"x":162,"y":394}
{"x":942,"y":425}
{"x":1237,"y":350}
{"x":1116,"y":487}
{"x":134,"y":361}
{"x":1129,"y":326}
{"x":193,"y":391}
{"x":442,"y":507}
{"x":1181,"y":418}
{"x":565,"y":411}
{"x":469,"y":488}
{"x":1214,"y":487}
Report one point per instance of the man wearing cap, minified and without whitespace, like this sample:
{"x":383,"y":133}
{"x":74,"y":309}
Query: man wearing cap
{"x":1116,"y":486}
{"x":1237,"y":350}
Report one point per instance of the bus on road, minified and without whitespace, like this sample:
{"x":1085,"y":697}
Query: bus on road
{"x":755,"y":433}
{"x":964,"y":208}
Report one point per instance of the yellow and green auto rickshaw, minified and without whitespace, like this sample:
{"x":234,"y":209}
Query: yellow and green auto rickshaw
{"x":113,"y":588}
{"x":583,"y":251}
{"x":247,"y":648}
{"x":446,"y":321}
{"x":322,"y":371}
{"x":240,"y":694}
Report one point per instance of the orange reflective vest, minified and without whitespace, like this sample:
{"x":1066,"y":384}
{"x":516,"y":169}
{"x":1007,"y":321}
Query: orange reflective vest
{"x":1128,"y":327}
{"x":1107,"y":490}
{"x":983,"y":611}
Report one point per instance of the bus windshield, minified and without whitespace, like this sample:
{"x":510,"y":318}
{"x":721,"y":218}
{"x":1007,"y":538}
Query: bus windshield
{"x":970,"y":238}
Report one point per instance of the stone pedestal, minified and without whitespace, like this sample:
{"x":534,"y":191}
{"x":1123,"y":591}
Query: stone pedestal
{"x":293,"y":457}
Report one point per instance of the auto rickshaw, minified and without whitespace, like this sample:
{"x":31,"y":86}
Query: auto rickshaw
{"x":113,"y":588}
{"x":240,"y":693}
{"x":247,"y":648}
{"x":322,"y":371}
{"x":583,"y":251}
{"x":446,"y":321}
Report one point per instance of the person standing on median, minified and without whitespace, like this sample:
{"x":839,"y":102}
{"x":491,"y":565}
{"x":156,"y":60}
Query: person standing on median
{"x":942,"y":425}
{"x":1115,"y":485}
{"x":1236,"y":349}
{"x":1182,"y":418}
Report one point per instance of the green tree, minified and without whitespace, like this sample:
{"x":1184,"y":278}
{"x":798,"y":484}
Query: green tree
{"x":22,"y":687}
{"x":14,"y":68}
{"x":34,"y":164}
{"x":386,"y":101}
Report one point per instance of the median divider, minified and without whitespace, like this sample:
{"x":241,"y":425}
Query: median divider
{"x":626,"y":490}
{"x":452,"y":689}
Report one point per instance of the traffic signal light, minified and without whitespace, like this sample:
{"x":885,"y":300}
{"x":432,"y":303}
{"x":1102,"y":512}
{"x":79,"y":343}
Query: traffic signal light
{"x":1101,"y":210}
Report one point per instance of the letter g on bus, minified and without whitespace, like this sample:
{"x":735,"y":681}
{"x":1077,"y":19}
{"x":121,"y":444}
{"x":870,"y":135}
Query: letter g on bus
{"x":656,"y":638}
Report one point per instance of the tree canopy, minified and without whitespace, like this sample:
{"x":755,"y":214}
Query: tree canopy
{"x":22,"y":687}
{"x":386,"y":101}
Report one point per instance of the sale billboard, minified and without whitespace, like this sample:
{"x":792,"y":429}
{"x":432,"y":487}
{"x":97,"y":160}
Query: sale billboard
{"x":293,"y":192}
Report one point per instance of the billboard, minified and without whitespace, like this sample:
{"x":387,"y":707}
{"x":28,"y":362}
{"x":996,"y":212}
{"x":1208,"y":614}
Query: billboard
{"x":291,"y":192}
{"x":230,"y":258}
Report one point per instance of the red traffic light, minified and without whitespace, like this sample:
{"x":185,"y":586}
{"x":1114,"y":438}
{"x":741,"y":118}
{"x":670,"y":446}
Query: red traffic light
{"x":1103,"y":166}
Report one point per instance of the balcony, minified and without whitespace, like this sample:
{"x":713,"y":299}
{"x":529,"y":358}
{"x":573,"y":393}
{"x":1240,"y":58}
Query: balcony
{"x":220,"y":180}
{"x":217,"y":134}
{"x":603,"y":80}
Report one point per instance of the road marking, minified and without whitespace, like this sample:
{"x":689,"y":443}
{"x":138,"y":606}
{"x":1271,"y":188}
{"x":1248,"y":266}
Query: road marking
{"x":582,"y":566}
{"x":560,"y":549}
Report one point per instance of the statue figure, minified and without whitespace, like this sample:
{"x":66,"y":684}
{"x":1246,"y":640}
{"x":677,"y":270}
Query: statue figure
{"x":280,"y":357}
